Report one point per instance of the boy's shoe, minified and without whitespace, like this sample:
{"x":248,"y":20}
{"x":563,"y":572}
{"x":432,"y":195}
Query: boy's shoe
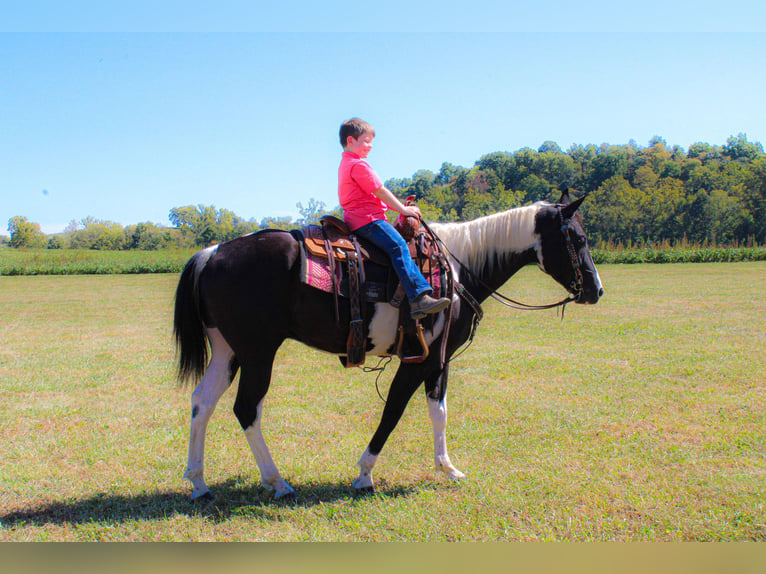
{"x":425,"y":305}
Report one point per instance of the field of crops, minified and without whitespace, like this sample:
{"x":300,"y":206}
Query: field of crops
{"x":88,"y":262}
{"x":640,"y":418}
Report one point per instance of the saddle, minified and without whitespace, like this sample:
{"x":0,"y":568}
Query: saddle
{"x":362,"y":273}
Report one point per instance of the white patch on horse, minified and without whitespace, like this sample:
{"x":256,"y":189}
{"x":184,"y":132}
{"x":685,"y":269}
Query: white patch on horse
{"x":383,"y":328}
{"x":477,"y":242}
{"x":385,"y":324}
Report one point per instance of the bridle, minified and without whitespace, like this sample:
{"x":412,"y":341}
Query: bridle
{"x":575,"y":286}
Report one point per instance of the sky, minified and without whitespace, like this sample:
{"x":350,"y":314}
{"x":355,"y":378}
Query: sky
{"x":121,"y":111}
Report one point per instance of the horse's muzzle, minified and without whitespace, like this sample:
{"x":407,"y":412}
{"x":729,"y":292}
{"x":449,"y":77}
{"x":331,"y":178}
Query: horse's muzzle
{"x":590,"y":296}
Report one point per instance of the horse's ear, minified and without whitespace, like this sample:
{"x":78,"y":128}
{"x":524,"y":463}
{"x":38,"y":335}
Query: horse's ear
{"x":564,"y":200}
{"x":569,"y":208}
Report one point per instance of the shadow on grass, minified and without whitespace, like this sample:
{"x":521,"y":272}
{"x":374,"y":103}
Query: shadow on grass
{"x":232,"y":498}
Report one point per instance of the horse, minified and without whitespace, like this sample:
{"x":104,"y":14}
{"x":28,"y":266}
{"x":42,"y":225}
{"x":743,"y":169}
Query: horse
{"x":238,"y":301}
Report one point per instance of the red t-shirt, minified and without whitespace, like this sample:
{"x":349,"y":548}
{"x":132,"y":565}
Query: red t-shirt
{"x":357,"y":184}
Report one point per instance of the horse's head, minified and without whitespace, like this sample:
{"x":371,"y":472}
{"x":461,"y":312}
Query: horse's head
{"x":562,"y":250}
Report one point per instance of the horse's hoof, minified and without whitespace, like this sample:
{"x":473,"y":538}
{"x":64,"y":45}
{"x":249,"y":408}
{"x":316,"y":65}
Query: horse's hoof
{"x":364,"y":490}
{"x":286,"y":495}
{"x":450,"y":472}
{"x":203,"y":498}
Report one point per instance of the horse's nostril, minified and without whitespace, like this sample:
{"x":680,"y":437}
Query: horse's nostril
{"x":600,"y":292}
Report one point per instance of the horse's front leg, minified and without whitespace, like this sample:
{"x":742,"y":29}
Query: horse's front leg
{"x":436,"y":393}
{"x":405,"y":383}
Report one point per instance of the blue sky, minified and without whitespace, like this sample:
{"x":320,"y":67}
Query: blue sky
{"x":126,"y":118}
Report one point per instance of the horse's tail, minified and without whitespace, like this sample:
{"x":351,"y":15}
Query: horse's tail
{"x":188,"y":326}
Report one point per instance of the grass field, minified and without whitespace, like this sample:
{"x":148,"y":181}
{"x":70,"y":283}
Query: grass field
{"x":641,"y":418}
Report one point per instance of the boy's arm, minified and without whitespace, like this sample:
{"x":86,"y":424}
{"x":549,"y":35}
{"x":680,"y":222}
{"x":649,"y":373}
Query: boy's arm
{"x":387,"y":197}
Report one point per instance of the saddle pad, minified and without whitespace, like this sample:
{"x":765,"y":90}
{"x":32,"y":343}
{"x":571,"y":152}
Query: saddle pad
{"x":315,"y":272}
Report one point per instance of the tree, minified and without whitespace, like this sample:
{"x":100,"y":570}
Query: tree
{"x":25,"y":233}
{"x":549,"y":147}
{"x":448,"y":173}
{"x":98,"y":234}
{"x":312,"y":213}
{"x":146,"y":237}
{"x":206,"y":224}
{"x":422,"y":181}
{"x":739,"y":149}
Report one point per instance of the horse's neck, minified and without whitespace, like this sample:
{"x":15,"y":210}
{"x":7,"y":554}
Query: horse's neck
{"x":493,"y":248}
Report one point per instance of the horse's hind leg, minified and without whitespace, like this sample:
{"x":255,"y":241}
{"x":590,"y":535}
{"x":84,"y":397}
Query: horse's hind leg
{"x":436,"y":393}
{"x":216,"y":380}
{"x":253,"y":385}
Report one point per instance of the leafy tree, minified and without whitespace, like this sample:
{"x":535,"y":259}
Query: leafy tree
{"x":277,"y":223}
{"x":311,"y":213}
{"x":549,"y":147}
{"x":147,"y":237}
{"x":97,"y":234}
{"x":422,"y":181}
{"x":739,"y":149}
{"x":205,"y":224}
{"x":25,"y":233}
{"x":447,"y":173}
{"x":399,"y":187}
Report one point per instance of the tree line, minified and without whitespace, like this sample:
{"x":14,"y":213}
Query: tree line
{"x":708,"y":194}
{"x":659,"y":193}
{"x":193,"y":226}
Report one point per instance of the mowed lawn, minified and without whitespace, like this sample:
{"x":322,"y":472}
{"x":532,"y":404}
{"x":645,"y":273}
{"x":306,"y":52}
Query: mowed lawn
{"x":640,"y":418}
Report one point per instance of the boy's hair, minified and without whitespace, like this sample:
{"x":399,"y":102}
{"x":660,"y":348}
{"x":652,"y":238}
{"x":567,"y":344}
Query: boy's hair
{"x":354,"y":128}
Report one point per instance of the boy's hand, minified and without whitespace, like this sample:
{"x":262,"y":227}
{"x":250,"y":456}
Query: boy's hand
{"x":411,"y":211}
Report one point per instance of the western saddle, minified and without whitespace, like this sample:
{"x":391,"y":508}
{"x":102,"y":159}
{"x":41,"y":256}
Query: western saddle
{"x":356,"y":258}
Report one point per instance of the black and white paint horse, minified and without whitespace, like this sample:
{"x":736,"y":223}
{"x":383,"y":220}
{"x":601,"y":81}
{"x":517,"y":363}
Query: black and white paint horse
{"x":244,"y":297}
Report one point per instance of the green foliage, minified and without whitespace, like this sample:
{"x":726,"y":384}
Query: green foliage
{"x":710,"y":194}
{"x":25,"y":233}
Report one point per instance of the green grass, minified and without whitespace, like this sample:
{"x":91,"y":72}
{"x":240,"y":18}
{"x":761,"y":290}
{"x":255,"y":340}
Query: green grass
{"x":640,"y":418}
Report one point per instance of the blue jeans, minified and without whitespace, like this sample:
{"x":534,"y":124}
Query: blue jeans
{"x":382,"y":234}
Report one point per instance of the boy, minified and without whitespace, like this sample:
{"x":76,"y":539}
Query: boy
{"x":364,"y":200}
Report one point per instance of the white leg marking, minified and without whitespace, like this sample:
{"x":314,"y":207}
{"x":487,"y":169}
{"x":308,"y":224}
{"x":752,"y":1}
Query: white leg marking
{"x":204,"y":400}
{"x":270,"y":477}
{"x":437,"y":411}
{"x":366,"y":464}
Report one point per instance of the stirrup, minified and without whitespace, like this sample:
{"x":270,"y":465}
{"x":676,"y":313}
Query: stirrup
{"x":423,"y":345}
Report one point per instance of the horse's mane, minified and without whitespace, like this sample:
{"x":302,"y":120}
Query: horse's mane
{"x":482,"y":242}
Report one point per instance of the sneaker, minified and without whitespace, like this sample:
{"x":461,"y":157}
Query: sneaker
{"x":425,"y":305}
